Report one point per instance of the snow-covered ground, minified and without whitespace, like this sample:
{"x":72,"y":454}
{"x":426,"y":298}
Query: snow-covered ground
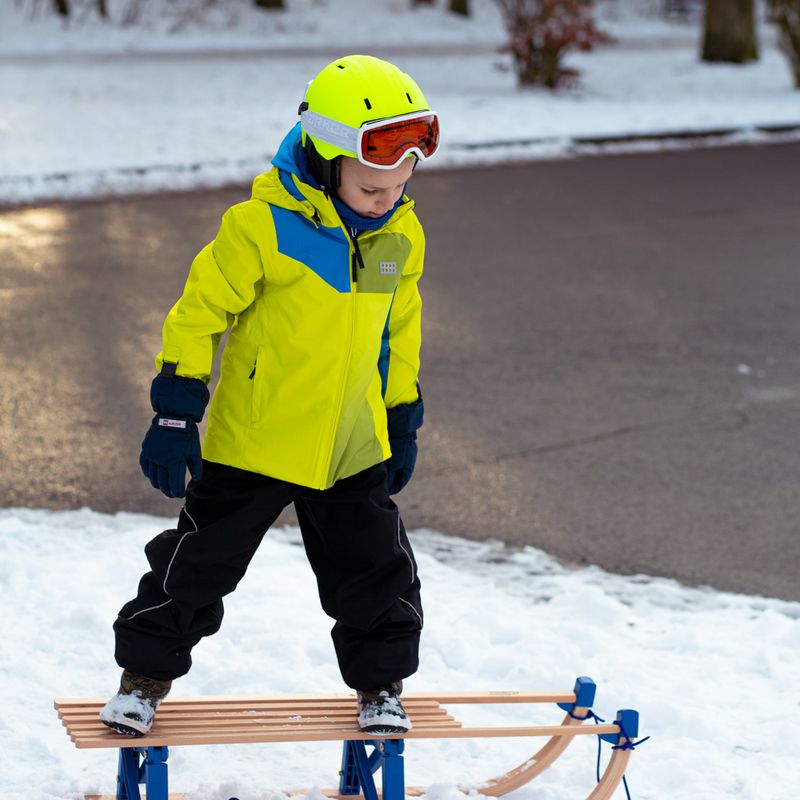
{"x":714,"y":675}
{"x":180,"y":99}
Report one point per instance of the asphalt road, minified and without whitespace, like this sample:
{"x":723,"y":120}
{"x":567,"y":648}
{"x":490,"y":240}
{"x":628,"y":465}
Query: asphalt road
{"x":610,"y":364}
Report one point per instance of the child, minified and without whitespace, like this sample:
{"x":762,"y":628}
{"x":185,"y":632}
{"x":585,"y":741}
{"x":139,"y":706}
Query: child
{"x":318,"y":400}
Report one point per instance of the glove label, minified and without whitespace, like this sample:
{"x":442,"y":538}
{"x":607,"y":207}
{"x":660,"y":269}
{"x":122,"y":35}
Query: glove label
{"x":172,"y":423}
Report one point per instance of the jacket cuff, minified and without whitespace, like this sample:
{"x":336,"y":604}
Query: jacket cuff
{"x":405,"y":419}
{"x":179,"y":397}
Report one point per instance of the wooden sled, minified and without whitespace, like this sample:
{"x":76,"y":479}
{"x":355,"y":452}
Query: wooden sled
{"x":331,"y":717}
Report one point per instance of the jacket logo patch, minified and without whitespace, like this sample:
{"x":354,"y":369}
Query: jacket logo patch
{"x":388,"y":267}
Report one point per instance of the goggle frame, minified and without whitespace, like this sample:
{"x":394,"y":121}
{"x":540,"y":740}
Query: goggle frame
{"x":348,"y":138}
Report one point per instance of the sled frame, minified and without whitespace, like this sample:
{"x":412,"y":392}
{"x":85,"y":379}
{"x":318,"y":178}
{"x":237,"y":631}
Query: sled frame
{"x":143,"y":763}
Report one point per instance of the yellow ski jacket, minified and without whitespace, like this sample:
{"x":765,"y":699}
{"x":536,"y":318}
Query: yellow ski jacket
{"x":320,"y":346}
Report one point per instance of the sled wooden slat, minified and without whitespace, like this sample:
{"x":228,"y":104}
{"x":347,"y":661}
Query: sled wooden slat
{"x":321,"y":700}
{"x":178,"y":722}
{"x":327,"y":718}
{"x":338,"y":730}
{"x":172,"y":796}
{"x":251,"y":734}
{"x":332,"y":734}
{"x":165,"y":716}
{"x":193,"y":704}
{"x":166,"y":712}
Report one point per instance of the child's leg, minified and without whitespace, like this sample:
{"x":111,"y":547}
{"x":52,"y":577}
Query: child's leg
{"x":192,"y":567}
{"x":367,"y":577}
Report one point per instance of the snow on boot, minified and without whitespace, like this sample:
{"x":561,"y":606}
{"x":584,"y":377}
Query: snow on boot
{"x":132,"y":708}
{"x":380,"y":710}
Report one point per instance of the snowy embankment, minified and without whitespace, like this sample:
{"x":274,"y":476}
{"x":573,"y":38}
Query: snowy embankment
{"x":181,"y":100}
{"x":713,"y":674}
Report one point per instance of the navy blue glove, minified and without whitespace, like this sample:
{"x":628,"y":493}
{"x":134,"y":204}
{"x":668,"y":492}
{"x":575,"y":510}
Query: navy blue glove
{"x":403,"y":422}
{"x":173,"y":441}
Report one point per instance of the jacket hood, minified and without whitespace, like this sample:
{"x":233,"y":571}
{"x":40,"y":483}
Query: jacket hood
{"x":283,"y":186}
{"x":287,"y":156}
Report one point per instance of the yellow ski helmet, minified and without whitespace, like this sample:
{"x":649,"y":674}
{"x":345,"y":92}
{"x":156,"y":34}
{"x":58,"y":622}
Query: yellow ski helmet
{"x":366,"y":108}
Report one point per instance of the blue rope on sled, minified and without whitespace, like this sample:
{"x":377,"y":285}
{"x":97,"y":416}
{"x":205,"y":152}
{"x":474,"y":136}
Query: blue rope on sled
{"x":628,"y":745}
{"x":627,"y":719}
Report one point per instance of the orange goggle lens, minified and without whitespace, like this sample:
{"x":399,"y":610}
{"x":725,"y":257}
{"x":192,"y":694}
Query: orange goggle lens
{"x":386,"y":145}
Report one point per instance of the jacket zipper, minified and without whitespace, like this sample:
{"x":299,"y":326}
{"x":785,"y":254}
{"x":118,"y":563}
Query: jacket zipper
{"x":355,"y":259}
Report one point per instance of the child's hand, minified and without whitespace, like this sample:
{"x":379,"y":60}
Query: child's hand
{"x":168,"y":448}
{"x":401,"y":464}
{"x":173,"y":443}
{"x":403,"y":421}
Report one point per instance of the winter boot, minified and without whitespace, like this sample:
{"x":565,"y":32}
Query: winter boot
{"x":132,"y":708}
{"x":380,"y":711}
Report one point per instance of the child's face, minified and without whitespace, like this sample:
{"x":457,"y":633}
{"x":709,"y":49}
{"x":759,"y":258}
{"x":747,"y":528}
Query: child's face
{"x":372,"y":192}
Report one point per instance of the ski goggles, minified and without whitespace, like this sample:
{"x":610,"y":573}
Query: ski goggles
{"x":382,"y":144}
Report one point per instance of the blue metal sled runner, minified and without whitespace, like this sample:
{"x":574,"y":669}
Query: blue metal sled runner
{"x":324,"y":718}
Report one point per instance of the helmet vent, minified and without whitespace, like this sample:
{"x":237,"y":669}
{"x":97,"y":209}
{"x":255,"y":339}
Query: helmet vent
{"x":368,"y":104}
{"x":409,"y":98}
{"x":340,"y":66}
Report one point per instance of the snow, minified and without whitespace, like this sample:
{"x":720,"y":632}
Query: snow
{"x":131,"y":710}
{"x":388,"y":713}
{"x":182,"y":99}
{"x":713,"y":674}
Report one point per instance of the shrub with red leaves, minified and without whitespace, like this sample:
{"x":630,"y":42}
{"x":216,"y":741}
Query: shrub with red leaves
{"x":541,"y":32}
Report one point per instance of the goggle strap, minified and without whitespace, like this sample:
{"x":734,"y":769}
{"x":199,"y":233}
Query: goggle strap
{"x":329,"y":130}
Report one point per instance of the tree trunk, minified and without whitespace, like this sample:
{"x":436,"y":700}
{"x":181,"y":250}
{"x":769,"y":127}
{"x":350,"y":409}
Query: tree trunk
{"x":61,"y":7}
{"x":460,"y":7}
{"x":269,"y":4}
{"x":102,"y":8}
{"x":730,"y":33}
{"x":788,"y":20}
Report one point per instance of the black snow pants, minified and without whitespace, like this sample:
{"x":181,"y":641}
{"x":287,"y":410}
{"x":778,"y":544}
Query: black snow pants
{"x":356,"y":544}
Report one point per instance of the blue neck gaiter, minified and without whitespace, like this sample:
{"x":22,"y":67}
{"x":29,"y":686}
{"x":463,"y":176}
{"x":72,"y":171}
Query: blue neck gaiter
{"x":359,"y":223}
{"x":349,"y":217}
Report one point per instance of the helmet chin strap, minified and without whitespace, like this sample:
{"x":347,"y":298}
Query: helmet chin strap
{"x":327,"y":173}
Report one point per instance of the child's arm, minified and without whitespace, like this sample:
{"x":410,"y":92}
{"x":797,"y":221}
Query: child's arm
{"x":223,"y":281}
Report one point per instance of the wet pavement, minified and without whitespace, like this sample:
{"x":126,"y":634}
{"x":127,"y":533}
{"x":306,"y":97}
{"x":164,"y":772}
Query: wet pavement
{"x":610,"y":358}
